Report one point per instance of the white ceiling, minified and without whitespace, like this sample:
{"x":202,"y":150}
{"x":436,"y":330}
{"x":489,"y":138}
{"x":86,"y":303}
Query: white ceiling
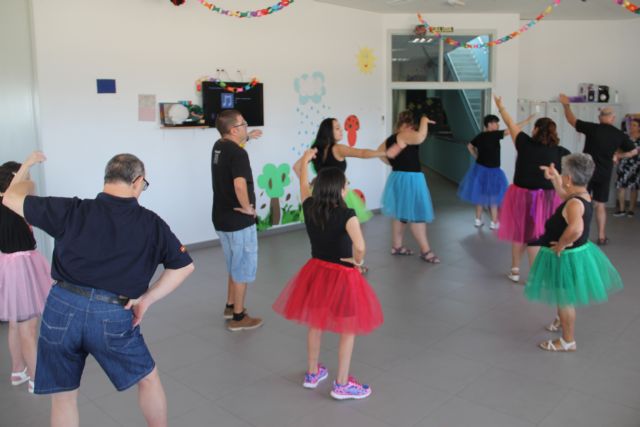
{"x":568,"y":9}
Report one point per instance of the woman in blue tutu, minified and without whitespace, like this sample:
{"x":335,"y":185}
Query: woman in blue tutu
{"x":406,"y":196}
{"x":485,"y":183}
{"x":569,"y":270}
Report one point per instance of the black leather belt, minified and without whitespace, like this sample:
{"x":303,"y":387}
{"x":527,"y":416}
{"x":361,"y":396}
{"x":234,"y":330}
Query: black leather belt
{"x":79,"y":290}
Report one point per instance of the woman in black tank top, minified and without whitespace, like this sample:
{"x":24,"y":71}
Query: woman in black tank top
{"x":569,"y":270}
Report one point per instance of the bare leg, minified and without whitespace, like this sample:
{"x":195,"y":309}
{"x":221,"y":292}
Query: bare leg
{"x":230,"y":290}
{"x":64,"y":409}
{"x":494,"y":213}
{"x":152,"y":400}
{"x":633,"y":199}
{"x":479,"y":212}
{"x":532,"y":252}
{"x":17,"y":360}
{"x":344,"y":357}
{"x":28,"y":333}
{"x":601,"y":219}
{"x":314,"y":338}
{"x":517,"y":249}
{"x":568,"y":322}
{"x":397,"y":232}
{"x":621,"y":200}
{"x":419,"y":231}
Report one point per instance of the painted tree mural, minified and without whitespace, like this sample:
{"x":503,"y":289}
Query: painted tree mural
{"x":273,"y":181}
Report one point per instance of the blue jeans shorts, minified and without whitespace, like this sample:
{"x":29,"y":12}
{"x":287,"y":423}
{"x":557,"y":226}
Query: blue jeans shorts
{"x":241,"y":253}
{"x":74,"y":326}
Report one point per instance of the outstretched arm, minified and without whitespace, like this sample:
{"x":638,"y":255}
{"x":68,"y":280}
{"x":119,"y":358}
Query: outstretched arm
{"x":21,"y":186}
{"x":568,"y":113}
{"x":383,"y":147}
{"x":360,"y":153}
{"x":305,"y":188}
{"x":551,"y":173}
{"x":512,"y":126}
{"x":521,"y":124}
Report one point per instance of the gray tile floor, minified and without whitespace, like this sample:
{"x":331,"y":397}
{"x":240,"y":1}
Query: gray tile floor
{"x":457,"y":348}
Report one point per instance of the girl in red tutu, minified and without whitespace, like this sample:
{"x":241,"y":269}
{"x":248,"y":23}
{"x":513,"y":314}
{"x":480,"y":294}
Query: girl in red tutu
{"x":25,"y":280}
{"x":329,"y":293}
{"x":531,"y":199}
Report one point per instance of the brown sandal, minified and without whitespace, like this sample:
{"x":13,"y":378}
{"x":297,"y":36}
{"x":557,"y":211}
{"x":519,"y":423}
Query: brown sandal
{"x":433,"y":259}
{"x":402,"y":250}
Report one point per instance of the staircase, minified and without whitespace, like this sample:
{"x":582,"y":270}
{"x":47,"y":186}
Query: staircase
{"x":465,"y":67}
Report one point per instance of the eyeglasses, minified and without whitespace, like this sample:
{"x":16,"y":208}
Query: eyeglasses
{"x":241,"y":124}
{"x":145,"y":183}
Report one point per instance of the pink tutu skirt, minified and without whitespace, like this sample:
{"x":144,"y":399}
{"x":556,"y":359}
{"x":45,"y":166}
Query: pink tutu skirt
{"x":25,"y":281}
{"x":524,"y":213}
{"x":330,"y":297}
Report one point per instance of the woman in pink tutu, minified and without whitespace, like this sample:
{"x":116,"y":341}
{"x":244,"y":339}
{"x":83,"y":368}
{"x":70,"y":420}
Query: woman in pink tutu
{"x":329,"y":293}
{"x":531,"y":199}
{"x":25,"y":280}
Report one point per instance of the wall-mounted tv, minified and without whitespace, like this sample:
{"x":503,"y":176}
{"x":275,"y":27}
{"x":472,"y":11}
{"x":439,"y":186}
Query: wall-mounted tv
{"x":249,"y":102}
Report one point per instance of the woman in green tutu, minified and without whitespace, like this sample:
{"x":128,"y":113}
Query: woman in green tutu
{"x":570,"y":271}
{"x":332,"y":154}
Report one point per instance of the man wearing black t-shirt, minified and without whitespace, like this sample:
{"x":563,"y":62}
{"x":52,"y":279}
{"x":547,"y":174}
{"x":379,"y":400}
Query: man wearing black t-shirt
{"x":234,"y":214}
{"x":602,"y":141}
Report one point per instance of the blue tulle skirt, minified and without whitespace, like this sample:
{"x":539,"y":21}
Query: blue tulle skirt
{"x":406,"y":197}
{"x":483,"y":186}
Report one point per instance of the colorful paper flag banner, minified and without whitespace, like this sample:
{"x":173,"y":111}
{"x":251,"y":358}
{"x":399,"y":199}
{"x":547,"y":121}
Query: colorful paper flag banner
{"x":501,"y":40}
{"x":629,"y":6}
{"x":226,"y":85}
{"x":247,"y":13}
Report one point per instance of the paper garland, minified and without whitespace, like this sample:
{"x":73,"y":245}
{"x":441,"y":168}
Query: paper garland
{"x":225,"y":85}
{"x":495,"y":42}
{"x":247,"y":13}
{"x":629,"y":6}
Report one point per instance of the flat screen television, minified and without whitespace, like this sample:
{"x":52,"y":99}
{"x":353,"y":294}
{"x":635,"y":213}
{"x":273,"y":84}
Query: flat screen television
{"x":249,"y":102}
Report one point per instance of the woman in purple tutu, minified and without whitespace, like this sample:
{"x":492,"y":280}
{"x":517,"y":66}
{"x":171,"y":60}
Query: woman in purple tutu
{"x":25,"y":280}
{"x":531,"y":199}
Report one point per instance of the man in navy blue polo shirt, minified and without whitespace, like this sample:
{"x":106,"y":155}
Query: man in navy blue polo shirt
{"x":106,"y":251}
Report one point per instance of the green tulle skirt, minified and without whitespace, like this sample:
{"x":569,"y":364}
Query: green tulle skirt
{"x":354,"y":202}
{"x":578,"y":277}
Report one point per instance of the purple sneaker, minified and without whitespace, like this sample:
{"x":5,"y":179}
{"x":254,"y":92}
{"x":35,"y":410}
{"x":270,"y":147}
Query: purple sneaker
{"x":312,"y":380}
{"x":351,"y":390}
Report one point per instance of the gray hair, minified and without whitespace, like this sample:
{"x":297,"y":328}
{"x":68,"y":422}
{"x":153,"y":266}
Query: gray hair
{"x":123,"y":168}
{"x":579,"y":167}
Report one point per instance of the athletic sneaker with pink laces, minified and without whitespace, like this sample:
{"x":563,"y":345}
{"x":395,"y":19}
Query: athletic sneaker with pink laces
{"x":351,"y":390}
{"x":312,"y":380}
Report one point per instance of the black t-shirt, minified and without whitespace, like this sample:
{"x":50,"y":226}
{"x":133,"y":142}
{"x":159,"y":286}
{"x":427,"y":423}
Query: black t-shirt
{"x":331,"y":242}
{"x":15,"y":234}
{"x":488,"y":145}
{"x":532,"y":155}
{"x":601,"y":142}
{"x":330,"y":162}
{"x":230,"y":161}
{"x":408,"y":160}
{"x":556,"y":225}
{"x":109,"y":243}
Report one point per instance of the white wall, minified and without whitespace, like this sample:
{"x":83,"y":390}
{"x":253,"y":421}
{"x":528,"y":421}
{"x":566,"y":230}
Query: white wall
{"x":556,"y":56}
{"x":153,"y":47}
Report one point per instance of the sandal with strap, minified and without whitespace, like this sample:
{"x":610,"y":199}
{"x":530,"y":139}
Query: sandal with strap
{"x":602,"y":242}
{"x":433,"y":259}
{"x":564,"y":346}
{"x":402,"y":250}
{"x":554,"y":326}
{"x":18,"y":378}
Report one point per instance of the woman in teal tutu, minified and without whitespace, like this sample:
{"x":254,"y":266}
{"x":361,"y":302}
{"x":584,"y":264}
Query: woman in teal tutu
{"x":332,"y":154}
{"x":570,"y":271}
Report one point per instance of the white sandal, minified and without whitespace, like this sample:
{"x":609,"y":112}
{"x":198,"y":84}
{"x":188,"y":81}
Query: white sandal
{"x":22,"y":377}
{"x":514,"y":275}
{"x":32,"y":386}
{"x":554,"y":326}
{"x":564,"y":346}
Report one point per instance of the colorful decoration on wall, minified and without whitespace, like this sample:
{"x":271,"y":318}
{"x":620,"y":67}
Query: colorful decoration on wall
{"x":273,"y":181}
{"x":310,"y":88}
{"x":366,"y":60}
{"x":629,"y":6}
{"x":361,"y":195}
{"x":178,"y":2}
{"x":247,"y":13}
{"x":351,"y":126}
{"x":227,"y":85}
{"x":498,"y":41}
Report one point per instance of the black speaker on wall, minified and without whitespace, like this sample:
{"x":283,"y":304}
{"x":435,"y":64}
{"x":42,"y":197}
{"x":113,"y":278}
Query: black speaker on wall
{"x":603,"y":93}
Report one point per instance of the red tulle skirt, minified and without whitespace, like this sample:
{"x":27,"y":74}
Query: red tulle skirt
{"x":524,"y":213}
{"x":330,"y":297}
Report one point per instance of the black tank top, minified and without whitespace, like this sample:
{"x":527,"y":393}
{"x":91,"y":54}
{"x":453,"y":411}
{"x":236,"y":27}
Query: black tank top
{"x":15,"y":234}
{"x":408,"y":160}
{"x":329,"y":162}
{"x":556,"y":224}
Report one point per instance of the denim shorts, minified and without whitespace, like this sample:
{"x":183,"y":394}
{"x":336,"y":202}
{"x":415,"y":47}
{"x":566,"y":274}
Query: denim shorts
{"x":74,"y":326}
{"x":241,"y":253}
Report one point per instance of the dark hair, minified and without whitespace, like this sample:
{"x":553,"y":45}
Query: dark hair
{"x":547,"y":132}
{"x":324,"y":142}
{"x":327,"y":195}
{"x":490,"y":118}
{"x":405,"y":118}
{"x":226,"y":120}
{"x":123,"y":168}
{"x":7,"y":172}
